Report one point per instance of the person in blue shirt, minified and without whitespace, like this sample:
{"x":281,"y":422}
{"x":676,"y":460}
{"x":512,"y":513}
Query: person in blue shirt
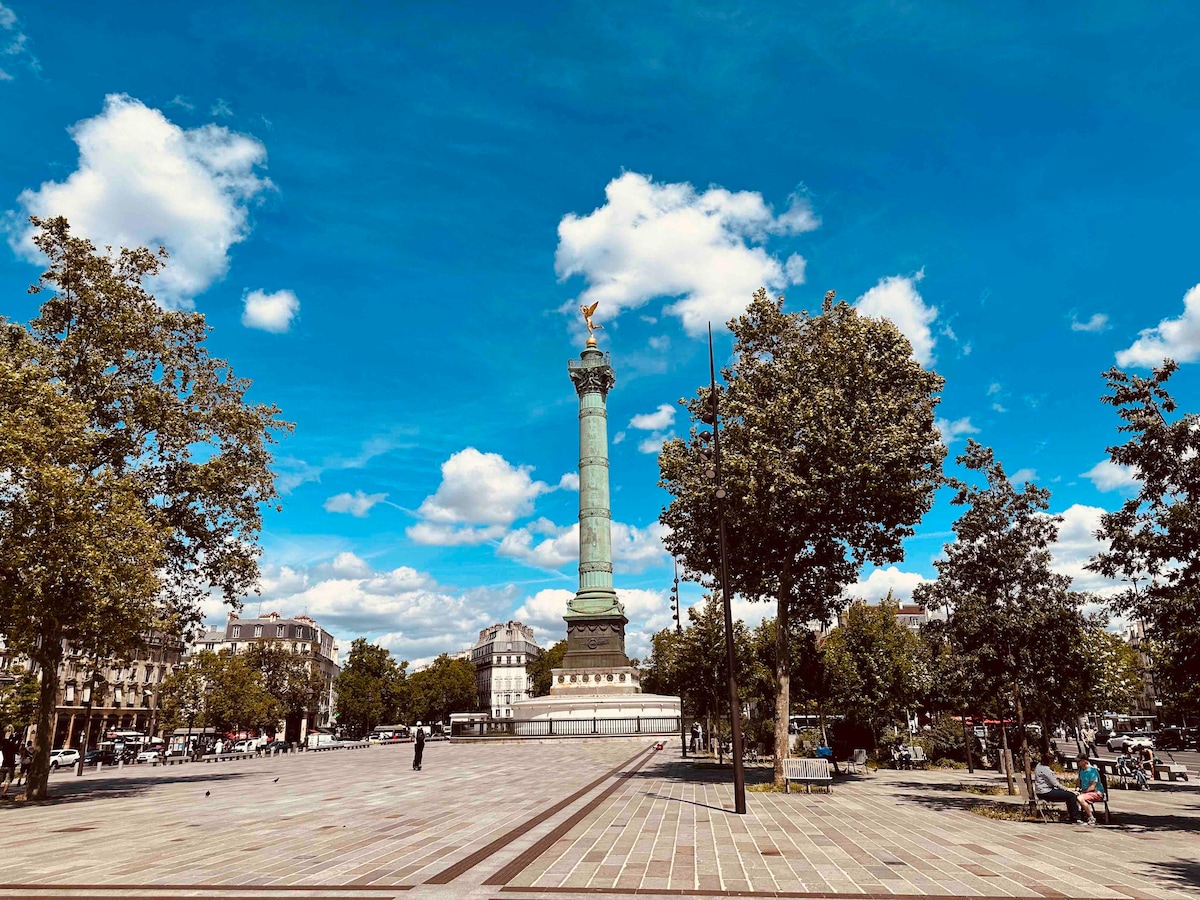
{"x":1090,"y":788}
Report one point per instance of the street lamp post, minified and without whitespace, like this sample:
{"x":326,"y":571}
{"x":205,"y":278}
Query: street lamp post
{"x":735,"y":716}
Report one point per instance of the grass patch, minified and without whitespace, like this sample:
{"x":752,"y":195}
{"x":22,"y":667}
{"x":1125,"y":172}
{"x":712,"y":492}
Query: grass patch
{"x":767,"y":787}
{"x":987,"y":790}
{"x":1007,"y":812}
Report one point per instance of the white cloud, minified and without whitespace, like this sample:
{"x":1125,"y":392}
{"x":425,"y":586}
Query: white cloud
{"x":221,"y":109}
{"x":953,"y":430}
{"x":618,"y":437}
{"x":1076,"y":546}
{"x":269,"y":312}
{"x":647,"y":611}
{"x":1177,"y":339}
{"x":795,"y":268}
{"x":660,"y":342}
{"x":357,"y":504}
{"x":569,"y":481}
{"x":669,"y":240}
{"x":182,"y":102}
{"x":880,"y":581}
{"x":142,"y":180}
{"x":1097,"y":322}
{"x":653,"y":442}
{"x":477,"y":489}
{"x":350,"y":565}
{"x":660,"y":419}
{"x":896,"y":298}
{"x":634,"y":549}
{"x":1106,"y":475}
{"x":1021,"y":476}
{"x":14,"y":43}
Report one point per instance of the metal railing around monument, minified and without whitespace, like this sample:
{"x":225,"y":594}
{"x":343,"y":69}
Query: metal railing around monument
{"x":535,"y":728}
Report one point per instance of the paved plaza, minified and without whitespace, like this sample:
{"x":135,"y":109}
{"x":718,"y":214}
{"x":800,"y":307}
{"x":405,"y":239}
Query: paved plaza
{"x":566,"y":819}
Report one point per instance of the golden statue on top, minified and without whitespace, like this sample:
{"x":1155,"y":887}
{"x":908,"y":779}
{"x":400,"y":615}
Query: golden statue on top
{"x":592,"y":327}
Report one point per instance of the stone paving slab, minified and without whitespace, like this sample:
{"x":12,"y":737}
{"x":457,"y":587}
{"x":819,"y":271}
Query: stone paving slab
{"x":563,"y":819}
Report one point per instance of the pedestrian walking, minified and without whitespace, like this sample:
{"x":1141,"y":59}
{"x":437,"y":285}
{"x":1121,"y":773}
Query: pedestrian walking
{"x":418,"y":748}
{"x":695,"y":735}
{"x":26,"y":762}
{"x":9,"y":750}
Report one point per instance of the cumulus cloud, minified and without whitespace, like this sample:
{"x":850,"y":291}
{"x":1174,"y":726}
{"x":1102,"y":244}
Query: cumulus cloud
{"x":653,"y":240}
{"x":1021,"y":476}
{"x":1076,"y":546}
{"x":544,"y":545}
{"x":481,"y":494}
{"x":661,"y":418}
{"x":569,"y":481}
{"x":221,"y":109}
{"x":896,"y":298}
{"x":953,"y":430}
{"x":1106,"y":475}
{"x":142,"y":180}
{"x":1177,"y":339}
{"x":876,"y":586}
{"x":269,"y":312}
{"x":1097,"y":322}
{"x":357,"y":504}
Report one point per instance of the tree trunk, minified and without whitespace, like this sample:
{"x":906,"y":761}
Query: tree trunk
{"x":1005,"y":756}
{"x":1024,"y":739}
{"x":37,"y":785}
{"x":782,"y":682}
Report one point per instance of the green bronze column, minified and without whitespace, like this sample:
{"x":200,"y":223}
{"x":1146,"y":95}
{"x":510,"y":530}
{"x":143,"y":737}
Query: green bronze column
{"x":595,"y":618}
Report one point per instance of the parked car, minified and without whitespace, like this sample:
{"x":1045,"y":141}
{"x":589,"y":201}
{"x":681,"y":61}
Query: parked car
{"x":276,"y":747}
{"x":147,"y":756}
{"x":62,"y":758}
{"x":1134,"y":740}
{"x":1176,"y":737}
{"x":93,"y":757}
{"x":244,"y":747}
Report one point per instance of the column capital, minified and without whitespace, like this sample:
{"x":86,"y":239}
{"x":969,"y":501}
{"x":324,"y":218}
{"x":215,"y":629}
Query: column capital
{"x":592,"y":374}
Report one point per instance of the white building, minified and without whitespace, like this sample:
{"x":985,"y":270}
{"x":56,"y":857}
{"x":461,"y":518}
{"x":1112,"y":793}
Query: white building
{"x":500,"y":657}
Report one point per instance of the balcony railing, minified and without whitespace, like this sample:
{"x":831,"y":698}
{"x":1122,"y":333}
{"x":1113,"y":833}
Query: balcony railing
{"x":501,"y":728}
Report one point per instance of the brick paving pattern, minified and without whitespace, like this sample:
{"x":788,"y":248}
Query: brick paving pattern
{"x":563,"y":819}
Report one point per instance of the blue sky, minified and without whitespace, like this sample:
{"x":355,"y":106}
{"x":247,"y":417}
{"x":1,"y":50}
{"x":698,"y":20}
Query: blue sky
{"x":388,"y":214}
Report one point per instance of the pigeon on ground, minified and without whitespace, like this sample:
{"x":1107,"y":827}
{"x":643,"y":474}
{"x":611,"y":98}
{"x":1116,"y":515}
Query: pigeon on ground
{"x":206,"y":793}
{"x":276,"y":781}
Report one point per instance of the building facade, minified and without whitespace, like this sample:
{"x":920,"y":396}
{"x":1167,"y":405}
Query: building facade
{"x":501,"y":656}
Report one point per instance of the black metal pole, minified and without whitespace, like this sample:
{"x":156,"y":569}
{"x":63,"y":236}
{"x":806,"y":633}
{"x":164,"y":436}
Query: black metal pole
{"x":735,"y":711}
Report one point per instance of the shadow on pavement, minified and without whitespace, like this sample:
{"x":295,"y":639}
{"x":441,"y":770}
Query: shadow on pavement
{"x":114,"y":787}
{"x":1184,"y":872}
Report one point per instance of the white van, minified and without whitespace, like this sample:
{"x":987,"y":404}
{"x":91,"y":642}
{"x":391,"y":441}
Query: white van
{"x":321,"y":741}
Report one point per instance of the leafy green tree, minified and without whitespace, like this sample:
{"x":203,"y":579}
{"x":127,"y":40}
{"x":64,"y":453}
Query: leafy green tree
{"x":877,"y":672}
{"x":1017,"y":621}
{"x":444,"y":686}
{"x":830,"y":458}
{"x":235,"y":698}
{"x":1154,"y":538}
{"x":371,"y":689}
{"x":18,"y":700}
{"x":138,"y":469}
{"x":181,"y":698}
{"x":292,"y":678}
{"x":541,"y":668}
{"x":1116,"y":674}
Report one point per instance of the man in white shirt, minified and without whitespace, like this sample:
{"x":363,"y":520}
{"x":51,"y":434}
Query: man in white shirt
{"x":1047,"y":787}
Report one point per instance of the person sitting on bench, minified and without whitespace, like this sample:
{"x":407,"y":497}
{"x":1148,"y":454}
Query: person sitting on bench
{"x":1047,"y":787}
{"x":1090,"y":788}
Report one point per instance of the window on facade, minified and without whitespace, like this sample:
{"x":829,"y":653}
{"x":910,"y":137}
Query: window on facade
{"x":258,"y":631}
{"x":70,"y":697}
{"x":237,"y":630}
{"x":233,"y":647}
{"x":279,"y":630}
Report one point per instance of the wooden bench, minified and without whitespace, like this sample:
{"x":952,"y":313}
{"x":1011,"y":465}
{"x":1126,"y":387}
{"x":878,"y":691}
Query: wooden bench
{"x":806,"y":772}
{"x":919,"y":758}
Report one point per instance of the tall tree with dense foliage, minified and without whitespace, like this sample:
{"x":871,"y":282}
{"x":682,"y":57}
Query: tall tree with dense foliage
{"x":136,"y":473}
{"x":235,"y":698}
{"x":292,"y":678}
{"x":1154,"y":538}
{"x":444,"y":686}
{"x":541,"y":668}
{"x":19,"y":700}
{"x":371,"y":689}
{"x":877,"y":670}
{"x":830,"y":456}
{"x":1016,"y":619}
